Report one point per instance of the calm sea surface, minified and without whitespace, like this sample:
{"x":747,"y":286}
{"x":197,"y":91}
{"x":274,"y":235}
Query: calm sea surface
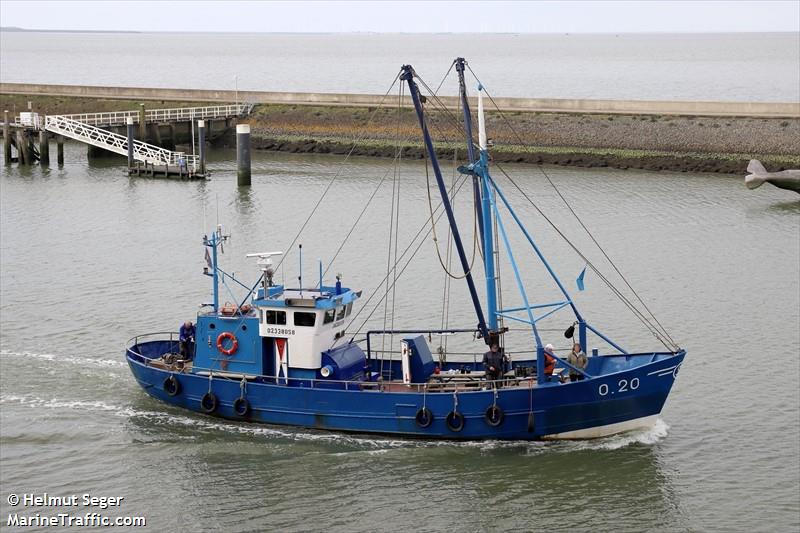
{"x":745,"y":66}
{"x":91,"y":258}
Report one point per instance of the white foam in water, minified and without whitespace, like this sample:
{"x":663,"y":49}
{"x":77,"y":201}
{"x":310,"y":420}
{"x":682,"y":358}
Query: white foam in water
{"x":646,"y":436}
{"x":80,"y":361}
{"x":376,"y":445}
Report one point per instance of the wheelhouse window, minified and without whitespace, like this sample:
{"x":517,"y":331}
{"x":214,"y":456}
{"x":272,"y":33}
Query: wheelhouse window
{"x":330,"y":314}
{"x":339,"y":313}
{"x":276,"y":317}
{"x":349,"y":309}
{"x":304,"y":319}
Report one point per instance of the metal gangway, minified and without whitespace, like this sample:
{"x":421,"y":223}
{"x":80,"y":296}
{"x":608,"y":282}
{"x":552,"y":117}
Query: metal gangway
{"x":113,"y":142}
{"x":179,"y":114}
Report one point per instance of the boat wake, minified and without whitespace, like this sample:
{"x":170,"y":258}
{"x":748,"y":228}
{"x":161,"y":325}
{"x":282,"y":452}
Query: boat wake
{"x":353,"y":443}
{"x":69,"y":359}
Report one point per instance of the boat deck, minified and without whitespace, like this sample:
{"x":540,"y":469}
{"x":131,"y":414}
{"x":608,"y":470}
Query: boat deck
{"x":445,"y":382}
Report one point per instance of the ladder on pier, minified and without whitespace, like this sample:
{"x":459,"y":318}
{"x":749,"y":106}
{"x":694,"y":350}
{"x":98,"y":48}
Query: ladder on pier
{"x":113,"y":142}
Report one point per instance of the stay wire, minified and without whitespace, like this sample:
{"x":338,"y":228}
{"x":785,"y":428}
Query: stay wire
{"x":397,"y":158}
{"x":642,"y":318}
{"x":408,"y":262}
{"x":662,"y":329}
{"x":339,"y":171}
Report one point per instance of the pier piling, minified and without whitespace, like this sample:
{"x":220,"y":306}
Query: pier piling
{"x":129,"y":123}
{"x":243,"y":154}
{"x":60,"y":150}
{"x":23,"y":149}
{"x":142,"y":124}
{"x":6,"y":138}
{"x":201,"y":137}
{"x":44,"y":148}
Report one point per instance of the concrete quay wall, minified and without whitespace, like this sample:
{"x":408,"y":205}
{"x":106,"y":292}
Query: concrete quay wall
{"x":543,"y":105}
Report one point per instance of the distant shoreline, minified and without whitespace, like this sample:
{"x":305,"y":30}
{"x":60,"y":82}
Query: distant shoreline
{"x":17,"y":29}
{"x":669,"y":142}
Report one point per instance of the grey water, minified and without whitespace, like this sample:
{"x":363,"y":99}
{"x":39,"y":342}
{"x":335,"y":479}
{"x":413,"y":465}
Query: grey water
{"x":715,"y":67}
{"x":90,"y":258}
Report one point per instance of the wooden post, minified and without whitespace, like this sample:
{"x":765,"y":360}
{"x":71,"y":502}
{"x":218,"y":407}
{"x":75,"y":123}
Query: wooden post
{"x":44,"y":148}
{"x":60,"y":149}
{"x":6,"y":138}
{"x":23,"y":154}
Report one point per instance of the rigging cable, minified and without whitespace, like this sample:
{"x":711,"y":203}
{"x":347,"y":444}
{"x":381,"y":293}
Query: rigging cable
{"x":341,"y":167}
{"x":642,"y":318}
{"x":574,"y":214}
{"x":398,"y":156}
{"x":408,"y":262}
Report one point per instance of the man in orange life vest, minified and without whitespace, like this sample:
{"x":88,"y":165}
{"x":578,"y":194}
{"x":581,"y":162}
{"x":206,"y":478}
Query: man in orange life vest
{"x":549,"y":362}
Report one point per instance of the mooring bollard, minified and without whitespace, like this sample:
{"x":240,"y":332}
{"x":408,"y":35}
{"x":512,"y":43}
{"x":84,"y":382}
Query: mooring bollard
{"x":44,"y":148}
{"x":6,"y":138}
{"x":60,"y":150}
{"x":243,"y":154}
{"x":129,"y":123}
{"x":201,"y":136}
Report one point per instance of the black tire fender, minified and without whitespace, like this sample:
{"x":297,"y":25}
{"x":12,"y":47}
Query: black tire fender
{"x":455,"y":421}
{"x":424,"y":417}
{"x":208,"y":403}
{"x":494,"y":416}
{"x":172,"y":386}
{"x":241,"y":406}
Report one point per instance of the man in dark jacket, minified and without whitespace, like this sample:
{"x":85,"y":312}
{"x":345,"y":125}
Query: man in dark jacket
{"x":187,"y":340}
{"x":493,"y":362}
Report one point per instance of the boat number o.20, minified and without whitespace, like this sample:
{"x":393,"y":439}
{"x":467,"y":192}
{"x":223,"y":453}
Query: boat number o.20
{"x":623,"y":386}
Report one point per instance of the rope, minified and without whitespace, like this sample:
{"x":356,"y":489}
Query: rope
{"x":393,"y":231}
{"x":436,"y":239}
{"x":414,"y":253}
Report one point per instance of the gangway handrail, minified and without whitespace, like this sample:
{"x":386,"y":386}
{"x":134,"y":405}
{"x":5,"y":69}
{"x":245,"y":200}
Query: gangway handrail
{"x":116,"y":118}
{"x":116,"y":143}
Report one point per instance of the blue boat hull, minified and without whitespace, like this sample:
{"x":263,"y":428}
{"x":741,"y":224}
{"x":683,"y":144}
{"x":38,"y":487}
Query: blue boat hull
{"x":613,"y":402}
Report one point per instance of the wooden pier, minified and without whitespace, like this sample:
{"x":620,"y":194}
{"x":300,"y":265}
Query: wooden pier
{"x":29,"y":134}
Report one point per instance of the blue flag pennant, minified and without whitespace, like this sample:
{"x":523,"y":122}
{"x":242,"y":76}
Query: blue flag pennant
{"x":579,"y":281}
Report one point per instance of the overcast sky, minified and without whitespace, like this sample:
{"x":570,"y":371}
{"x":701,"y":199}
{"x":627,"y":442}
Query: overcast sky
{"x":378,"y":16}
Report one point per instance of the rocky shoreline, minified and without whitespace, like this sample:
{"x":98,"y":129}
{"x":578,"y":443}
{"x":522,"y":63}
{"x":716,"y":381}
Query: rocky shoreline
{"x":650,"y":142}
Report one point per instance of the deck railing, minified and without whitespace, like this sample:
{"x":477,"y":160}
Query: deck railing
{"x":355,"y":385}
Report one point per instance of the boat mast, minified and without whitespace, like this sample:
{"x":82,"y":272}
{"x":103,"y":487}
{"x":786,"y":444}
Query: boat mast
{"x":478,"y":168}
{"x":408,"y":76}
{"x":476,"y":187}
{"x":217,"y":238}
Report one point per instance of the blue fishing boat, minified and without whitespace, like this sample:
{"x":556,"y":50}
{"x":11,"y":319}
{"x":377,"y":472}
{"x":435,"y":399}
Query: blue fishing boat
{"x":284,"y":355}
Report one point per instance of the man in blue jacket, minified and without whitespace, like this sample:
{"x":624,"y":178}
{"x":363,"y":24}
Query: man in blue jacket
{"x":187,"y":340}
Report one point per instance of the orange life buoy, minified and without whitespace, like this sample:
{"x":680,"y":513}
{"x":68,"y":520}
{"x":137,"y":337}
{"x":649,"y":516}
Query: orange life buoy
{"x":234,"y":343}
